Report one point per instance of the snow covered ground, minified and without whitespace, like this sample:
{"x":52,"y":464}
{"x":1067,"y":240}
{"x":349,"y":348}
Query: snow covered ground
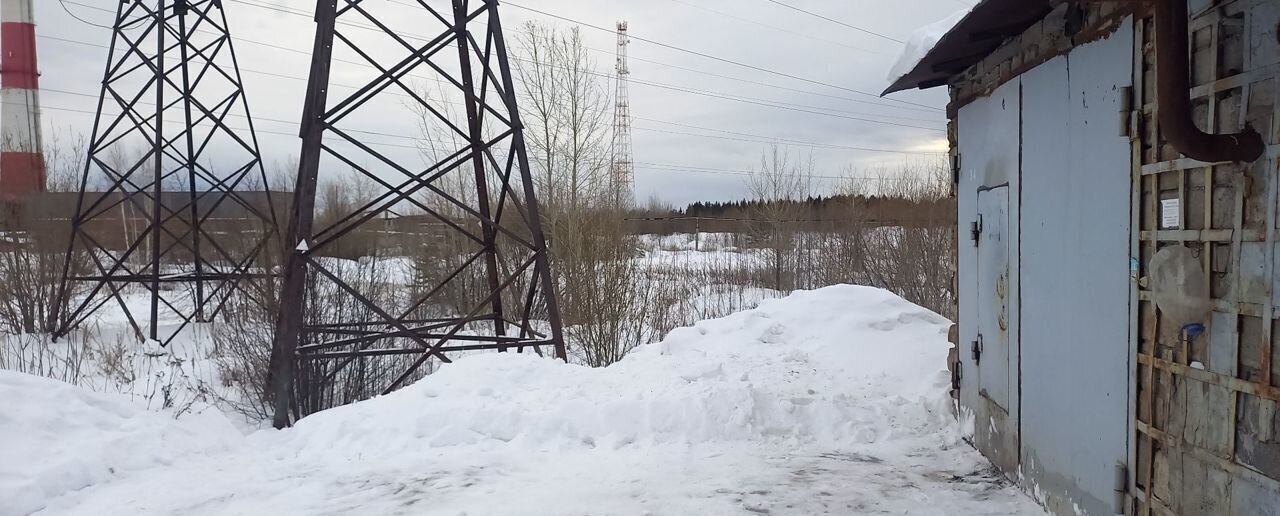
{"x":824,"y":402}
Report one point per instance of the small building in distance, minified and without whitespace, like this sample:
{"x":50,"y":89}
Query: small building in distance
{"x":1116,"y":182}
{"x":120,"y":220}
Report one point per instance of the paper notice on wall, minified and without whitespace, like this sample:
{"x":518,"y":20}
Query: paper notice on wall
{"x":1170,"y":214}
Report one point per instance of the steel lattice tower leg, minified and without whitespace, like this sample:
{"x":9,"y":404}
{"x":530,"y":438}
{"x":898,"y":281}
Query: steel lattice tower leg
{"x":165,"y":204}
{"x":511,"y":304}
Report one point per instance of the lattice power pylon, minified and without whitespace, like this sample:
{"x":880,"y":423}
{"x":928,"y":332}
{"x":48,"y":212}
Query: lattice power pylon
{"x":173,"y":205}
{"x":482,"y":279}
{"x":623,"y":169}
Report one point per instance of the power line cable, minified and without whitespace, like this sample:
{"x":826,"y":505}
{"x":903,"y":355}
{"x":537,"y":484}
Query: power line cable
{"x":765,"y":84}
{"x":838,"y":22}
{"x":63,"y":3}
{"x":291,"y":123}
{"x":675,"y":88}
{"x":260,"y":131}
{"x":714,"y":58}
{"x":875,"y":102}
{"x":858,"y":117}
{"x":898,"y":102}
{"x":737,"y":172}
{"x":807,"y":109}
{"x":757,"y":138}
{"x":777,"y":28}
{"x":759,"y":102}
{"x":584,"y":24}
{"x":662,"y":167}
{"x":762,"y":102}
{"x":769,"y":139}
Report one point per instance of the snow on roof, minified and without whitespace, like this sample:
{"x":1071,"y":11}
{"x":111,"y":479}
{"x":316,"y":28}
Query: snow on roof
{"x":922,"y":41}
{"x":940,"y":50}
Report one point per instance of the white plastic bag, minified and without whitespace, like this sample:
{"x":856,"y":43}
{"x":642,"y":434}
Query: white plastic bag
{"x":1179,"y":286}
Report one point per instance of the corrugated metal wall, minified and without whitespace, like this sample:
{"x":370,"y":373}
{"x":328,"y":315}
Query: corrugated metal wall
{"x":1207,"y":430}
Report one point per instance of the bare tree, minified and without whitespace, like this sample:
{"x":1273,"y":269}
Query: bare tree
{"x":779,"y":187}
{"x":337,"y":201}
{"x":283,"y":176}
{"x":566,"y":112}
{"x":605,"y":296}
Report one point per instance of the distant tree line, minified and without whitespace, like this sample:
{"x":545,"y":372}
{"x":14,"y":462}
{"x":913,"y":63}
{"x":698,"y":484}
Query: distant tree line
{"x":813,"y":213}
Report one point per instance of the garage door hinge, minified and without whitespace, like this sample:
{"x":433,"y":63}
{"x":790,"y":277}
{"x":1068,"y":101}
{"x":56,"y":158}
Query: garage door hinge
{"x":975,"y":230}
{"x":976,"y":349}
{"x":955,"y":167}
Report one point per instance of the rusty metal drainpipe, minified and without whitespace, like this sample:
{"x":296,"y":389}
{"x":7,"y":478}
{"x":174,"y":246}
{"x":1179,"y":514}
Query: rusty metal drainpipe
{"x":1174,"y":95}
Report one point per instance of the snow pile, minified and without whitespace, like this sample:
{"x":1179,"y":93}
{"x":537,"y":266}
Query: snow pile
{"x":841,"y":365}
{"x":56,"y":438}
{"x":824,"y":402}
{"x":922,"y":41}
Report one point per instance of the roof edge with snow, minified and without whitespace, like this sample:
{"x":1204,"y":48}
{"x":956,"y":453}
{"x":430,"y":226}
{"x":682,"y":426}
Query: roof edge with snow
{"x":975,"y":36}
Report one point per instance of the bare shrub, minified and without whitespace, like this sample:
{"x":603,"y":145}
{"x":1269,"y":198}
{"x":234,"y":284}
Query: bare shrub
{"x":38,"y":355}
{"x":607,"y":297}
{"x":916,"y":261}
{"x":99,"y":360}
{"x":897,"y":233}
{"x":904,"y":242}
{"x":701,"y":285}
{"x":609,"y":302}
{"x":242,"y":344}
{"x":243,"y":339}
{"x":33,"y":248}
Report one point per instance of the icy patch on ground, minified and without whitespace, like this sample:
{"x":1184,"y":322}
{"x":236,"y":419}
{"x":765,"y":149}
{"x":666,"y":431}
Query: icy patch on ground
{"x":829,"y":401}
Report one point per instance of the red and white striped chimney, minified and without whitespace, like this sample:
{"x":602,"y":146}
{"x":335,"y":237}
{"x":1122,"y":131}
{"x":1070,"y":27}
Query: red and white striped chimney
{"x":21,"y":151}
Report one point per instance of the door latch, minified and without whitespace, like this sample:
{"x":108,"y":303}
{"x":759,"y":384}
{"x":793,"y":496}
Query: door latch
{"x":976,"y":350}
{"x":955,"y":167}
{"x":975,"y":230}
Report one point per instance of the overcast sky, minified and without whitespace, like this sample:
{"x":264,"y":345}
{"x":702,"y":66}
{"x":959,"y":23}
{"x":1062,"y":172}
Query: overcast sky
{"x":677,"y":168}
